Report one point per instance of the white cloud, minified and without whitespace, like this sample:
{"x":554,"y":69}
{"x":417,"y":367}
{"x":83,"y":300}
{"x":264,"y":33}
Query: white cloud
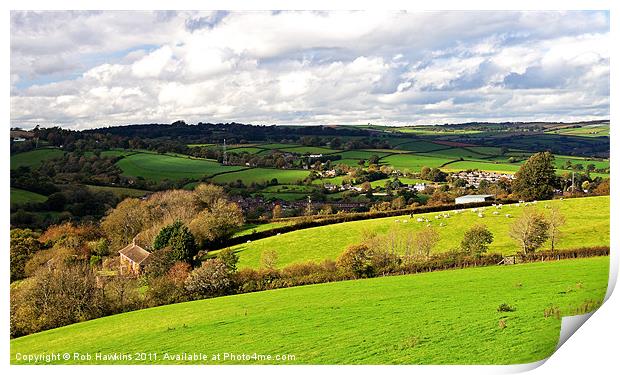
{"x":90,"y":69}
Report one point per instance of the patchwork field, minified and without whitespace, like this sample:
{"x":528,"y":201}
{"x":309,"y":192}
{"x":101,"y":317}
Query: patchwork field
{"x":447,"y":317}
{"x":261,"y":175}
{"x":414,"y":162}
{"x":34,"y":158}
{"x":158,"y":167}
{"x":587,"y":224}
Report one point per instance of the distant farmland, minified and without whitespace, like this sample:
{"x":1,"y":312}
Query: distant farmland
{"x":158,"y":167}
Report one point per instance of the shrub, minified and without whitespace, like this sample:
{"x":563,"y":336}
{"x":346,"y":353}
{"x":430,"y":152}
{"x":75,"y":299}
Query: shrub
{"x":229,"y":258}
{"x":530,"y":230}
{"x":504,"y":307}
{"x":209,"y":280}
{"x":357,"y":260}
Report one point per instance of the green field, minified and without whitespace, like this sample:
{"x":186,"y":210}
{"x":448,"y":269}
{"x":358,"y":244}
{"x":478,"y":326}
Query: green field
{"x":20,"y":196}
{"x":421,"y":146}
{"x":158,"y":167}
{"x":310,"y":150}
{"x":447,"y":317}
{"x":598,"y":130}
{"x":34,"y":158}
{"x":261,"y":175}
{"x":250,"y":228}
{"x":249,"y":150}
{"x":404,"y":180}
{"x":414,"y":162}
{"x":483,"y":166}
{"x":587,"y":224}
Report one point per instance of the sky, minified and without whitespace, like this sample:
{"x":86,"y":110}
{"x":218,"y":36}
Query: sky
{"x":94,"y":69}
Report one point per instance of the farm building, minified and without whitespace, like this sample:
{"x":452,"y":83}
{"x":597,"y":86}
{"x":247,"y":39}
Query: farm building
{"x":473,"y":199}
{"x":133,"y":258}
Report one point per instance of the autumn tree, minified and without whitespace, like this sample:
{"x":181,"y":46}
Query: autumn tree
{"x":530,"y":230}
{"x":24,"y":244}
{"x":357,"y":260}
{"x":425,"y":240}
{"x":536,"y":178}
{"x":556,"y":220}
{"x":276,"y":213}
{"x":269,"y":259}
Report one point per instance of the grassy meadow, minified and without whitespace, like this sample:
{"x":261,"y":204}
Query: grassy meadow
{"x":446,"y":317}
{"x":158,"y":167}
{"x":587,"y":224}
{"x":34,"y":158}
{"x":261,"y":175}
{"x":20,"y":196}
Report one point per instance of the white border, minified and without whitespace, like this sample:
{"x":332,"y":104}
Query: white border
{"x":593,"y":348}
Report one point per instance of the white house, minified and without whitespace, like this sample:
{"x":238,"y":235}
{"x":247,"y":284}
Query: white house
{"x":473,"y":199}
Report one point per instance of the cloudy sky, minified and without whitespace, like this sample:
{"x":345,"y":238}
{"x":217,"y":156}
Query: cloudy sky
{"x":92,"y":69}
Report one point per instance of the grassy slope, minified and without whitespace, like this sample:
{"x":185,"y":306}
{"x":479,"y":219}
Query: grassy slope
{"x":441,"y":317}
{"x":261,"y":175}
{"x":20,"y":196}
{"x":587,"y":224}
{"x":158,"y":167}
{"x":34,"y":158}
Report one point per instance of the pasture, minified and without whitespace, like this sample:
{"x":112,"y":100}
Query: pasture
{"x":34,"y":158}
{"x":20,"y":196}
{"x":414,"y":162}
{"x":587,"y":224}
{"x":157,"y":167}
{"x":446,"y":317}
{"x":262,"y":175}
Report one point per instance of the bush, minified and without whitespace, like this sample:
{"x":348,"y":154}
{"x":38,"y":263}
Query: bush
{"x":209,"y":280}
{"x":504,"y":307}
{"x":356,"y":260}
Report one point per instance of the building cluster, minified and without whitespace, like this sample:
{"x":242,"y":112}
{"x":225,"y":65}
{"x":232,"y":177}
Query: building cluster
{"x":475,"y":177}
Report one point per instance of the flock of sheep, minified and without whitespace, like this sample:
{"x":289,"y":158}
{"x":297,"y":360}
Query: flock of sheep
{"x":479,"y":211}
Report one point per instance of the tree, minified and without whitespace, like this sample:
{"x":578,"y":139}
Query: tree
{"x":269,"y":259}
{"x":211,"y":279}
{"x":556,"y":221}
{"x":229,"y":258}
{"x":163,"y":237}
{"x":425,"y":240}
{"x":24,"y":244}
{"x":179,"y":240}
{"x":531,"y":230}
{"x":276,"y":213}
{"x":536,"y":178}
{"x":476,"y":240}
{"x":183,"y":244}
{"x":217,"y":223}
{"x":356,"y":259}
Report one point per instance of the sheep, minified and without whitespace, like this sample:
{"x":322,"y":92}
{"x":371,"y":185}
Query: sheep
{"x":474,"y":210}
{"x":248,"y":241}
{"x":428,"y":225}
{"x":405,"y":221}
{"x":436,"y":217}
{"x":420,"y":220}
{"x":442,"y":224}
{"x":480,"y":214}
{"x":508,"y":216}
{"x":517,"y":205}
{"x":278,"y":234}
{"x":495,"y":213}
{"x":397,"y":221}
